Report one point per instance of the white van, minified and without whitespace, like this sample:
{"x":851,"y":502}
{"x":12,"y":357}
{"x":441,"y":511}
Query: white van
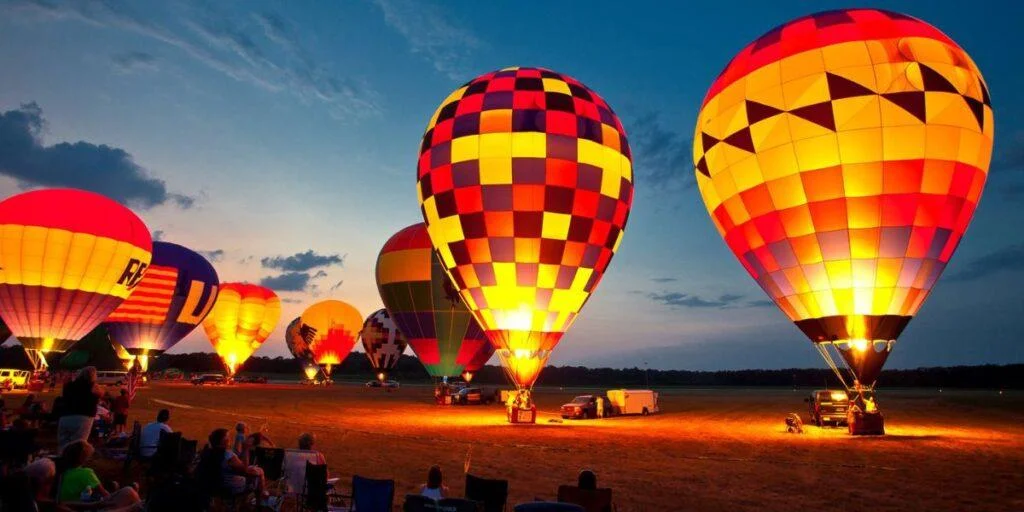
{"x":112,"y":378}
{"x":633,"y":401}
{"x":18,"y":378}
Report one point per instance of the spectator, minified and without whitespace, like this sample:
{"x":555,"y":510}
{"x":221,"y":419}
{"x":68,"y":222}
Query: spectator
{"x":307,"y":442}
{"x":220,"y":464}
{"x":80,"y":483}
{"x":150,"y":437}
{"x":587,"y":480}
{"x":241,"y":443}
{"x":81,"y":396}
{"x":120,"y":409}
{"x":434,"y":488}
{"x":4,"y":422}
{"x":260,"y":438}
{"x":42,"y":473}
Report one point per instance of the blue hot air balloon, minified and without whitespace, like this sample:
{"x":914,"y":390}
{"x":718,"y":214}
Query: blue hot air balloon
{"x":177,"y":291}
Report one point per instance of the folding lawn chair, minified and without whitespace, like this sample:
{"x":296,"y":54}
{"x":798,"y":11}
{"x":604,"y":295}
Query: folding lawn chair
{"x":370,"y":495}
{"x":592,"y":500}
{"x":492,"y":493}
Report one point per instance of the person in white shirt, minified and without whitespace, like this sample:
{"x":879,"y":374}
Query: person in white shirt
{"x":151,"y":433}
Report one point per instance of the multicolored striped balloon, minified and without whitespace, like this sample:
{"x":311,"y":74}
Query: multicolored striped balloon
{"x":68,"y":258}
{"x":243,"y":317}
{"x":421,"y":300}
{"x":175,"y":295}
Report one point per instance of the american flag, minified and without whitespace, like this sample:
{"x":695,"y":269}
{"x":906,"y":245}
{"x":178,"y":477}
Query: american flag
{"x":151,"y":299}
{"x":133,"y":380}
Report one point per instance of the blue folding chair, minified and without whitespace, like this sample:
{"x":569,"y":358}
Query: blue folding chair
{"x":370,"y":495}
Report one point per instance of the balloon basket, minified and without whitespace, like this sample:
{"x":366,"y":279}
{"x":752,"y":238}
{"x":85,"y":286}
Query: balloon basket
{"x":861,"y":423}
{"x":517,"y":415}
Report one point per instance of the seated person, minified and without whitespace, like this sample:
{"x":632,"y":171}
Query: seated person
{"x":587,"y":480}
{"x":150,"y":437}
{"x":434,"y":488}
{"x":80,"y":483}
{"x":223,"y":470}
{"x":307,"y":442}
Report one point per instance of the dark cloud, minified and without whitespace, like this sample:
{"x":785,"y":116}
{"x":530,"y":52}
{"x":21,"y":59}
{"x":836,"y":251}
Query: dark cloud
{"x":320,"y":273}
{"x":664,"y":279}
{"x":686,"y":300}
{"x":100,"y":168}
{"x":763,"y":303}
{"x":287,"y":300}
{"x":662,"y":158}
{"x":132,"y":62}
{"x":337,"y":285}
{"x":1010,"y":154}
{"x":158,"y":235}
{"x":214,"y":255}
{"x":246,"y":260}
{"x":302,"y":261}
{"x":1009,"y":258}
{"x":287,"y":282}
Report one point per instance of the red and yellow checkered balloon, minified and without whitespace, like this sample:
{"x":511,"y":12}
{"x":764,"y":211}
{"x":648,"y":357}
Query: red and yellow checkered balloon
{"x":842,"y":156}
{"x":68,"y":258}
{"x":241,"y":320}
{"x":525,"y":183}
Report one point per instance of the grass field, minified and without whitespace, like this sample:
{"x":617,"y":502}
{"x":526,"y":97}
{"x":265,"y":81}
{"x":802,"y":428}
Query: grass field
{"x":721,"y":449}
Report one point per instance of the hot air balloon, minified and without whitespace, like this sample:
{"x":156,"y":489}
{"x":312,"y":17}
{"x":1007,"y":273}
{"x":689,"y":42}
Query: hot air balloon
{"x":383,"y":342}
{"x":842,"y":156}
{"x":525,"y":184}
{"x":296,"y":343}
{"x":68,"y":258}
{"x":478,"y":361}
{"x":330,"y":327}
{"x":242,"y":318}
{"x":177,"y":292}
{"x":425,"y":306}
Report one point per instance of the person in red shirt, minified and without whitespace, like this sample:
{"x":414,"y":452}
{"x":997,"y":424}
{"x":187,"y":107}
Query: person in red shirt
{"x":119,"y":408}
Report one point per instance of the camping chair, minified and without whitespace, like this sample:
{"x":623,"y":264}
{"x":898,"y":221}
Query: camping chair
{"x":134,"y":447}
{"x":294,"y":469}
{"x":548,"y":506}
{"x":17,"y":447}
{"x":316,"y":495}
{"x":492,"y":493}
{"x":419,"y":503}
{"x":458,"y":505}
{"x":592,"y":500}
{"x":168,"y":449}
{"x":370,"y":495}
{"x":271,"y":460}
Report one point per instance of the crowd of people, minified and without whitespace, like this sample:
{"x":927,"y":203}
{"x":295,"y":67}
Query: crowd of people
{"x":59,"y":472}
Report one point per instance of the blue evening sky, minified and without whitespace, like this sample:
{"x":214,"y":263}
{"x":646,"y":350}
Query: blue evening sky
{"x":254,"y":130}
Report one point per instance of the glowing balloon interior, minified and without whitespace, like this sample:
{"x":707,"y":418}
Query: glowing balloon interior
{"x":242,"y":318}
{"x":841,"y":157}
{"x":175,"y":295}
{"x":68,"y":258}
{"x":525,"y":183}
{"x":330,"y":329}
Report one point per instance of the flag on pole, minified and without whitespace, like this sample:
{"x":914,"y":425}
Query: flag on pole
{"x":133,"y":378}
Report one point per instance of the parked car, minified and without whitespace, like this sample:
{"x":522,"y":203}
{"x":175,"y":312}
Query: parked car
{"x":388,"y":384}
{"x":633,"y":401}
{"x":581,"y":407}
{"x":827,"y":407}
{"x":254,"y":379}
{"x":209,"y":378}
{"x":469,"y":396}
{"x":11,"y":378}
{"x":111,"y":378}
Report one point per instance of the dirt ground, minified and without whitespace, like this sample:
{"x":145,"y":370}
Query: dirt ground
{"x":709,"y":449}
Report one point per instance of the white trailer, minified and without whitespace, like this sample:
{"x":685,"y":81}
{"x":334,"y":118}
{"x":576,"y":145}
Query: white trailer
{"x":633,"y":401}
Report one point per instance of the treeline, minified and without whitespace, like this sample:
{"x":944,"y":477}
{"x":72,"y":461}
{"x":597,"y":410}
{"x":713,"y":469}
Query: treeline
{"x":409,"y":369}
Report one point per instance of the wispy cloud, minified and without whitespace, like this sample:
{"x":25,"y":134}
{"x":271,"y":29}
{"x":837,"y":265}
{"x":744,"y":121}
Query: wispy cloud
{"x":337,"y":285}
{"x":261,"y":50}
{"x":664,"y":279}
{"x":686,"y":300}
{"x":214,"y":255}
{"x":1010,"y":258}
{"x":158,"y":235}
{"x":100,"y":168}
{"x":663,"y":157}
{"x":438,"y":39}
{"x":302,"y":261}
{"x":133,"y":62}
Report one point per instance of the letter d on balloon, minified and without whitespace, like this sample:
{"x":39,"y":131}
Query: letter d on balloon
{"x":188,"y":313}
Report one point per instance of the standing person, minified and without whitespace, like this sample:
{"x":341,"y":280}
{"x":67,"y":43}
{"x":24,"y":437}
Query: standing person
{"x":81,"y":396}
{"x":119,"y":407}
{"x":600,"y":406}
{"x":434,"y":488}
{"x":150,"y":437}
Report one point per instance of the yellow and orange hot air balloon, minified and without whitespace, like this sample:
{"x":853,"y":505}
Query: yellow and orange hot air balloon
{"x":525,"y":183}
{"x":842,"y":156}
{"x":330,"y":328}
{"x":241,"y":320}
{"x":67,"y":259}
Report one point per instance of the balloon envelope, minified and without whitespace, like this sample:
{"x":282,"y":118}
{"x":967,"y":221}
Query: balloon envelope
{"x":175,"y":295}
{"x":296,"y":343}
{"x":242,"y":318}
{"x":68,"y":258}
{"x":525,"y":184}
{"x":382,"y":341}
{"x":425,"y":306}
{"x":841,"y":157}
{"x":330,"y":327}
